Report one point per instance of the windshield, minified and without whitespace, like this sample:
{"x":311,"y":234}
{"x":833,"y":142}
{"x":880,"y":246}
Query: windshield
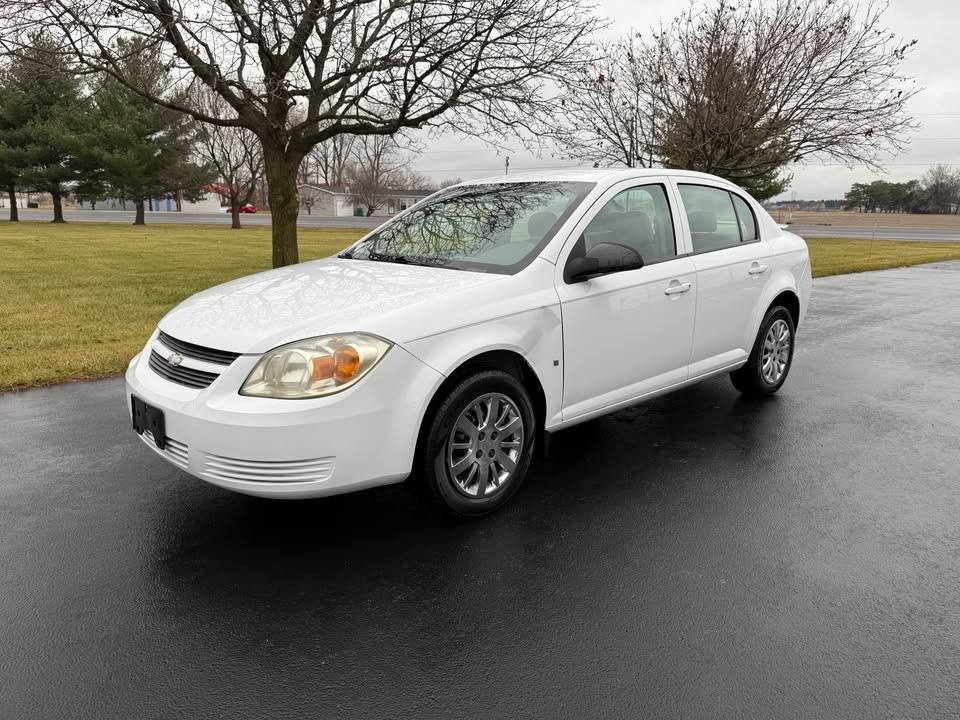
{"x":496,"y":228}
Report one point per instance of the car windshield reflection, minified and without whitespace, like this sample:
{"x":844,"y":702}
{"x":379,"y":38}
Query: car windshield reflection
{"x":498,"y":228}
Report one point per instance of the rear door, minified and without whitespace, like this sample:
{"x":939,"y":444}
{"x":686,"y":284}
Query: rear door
{"x":728,"y":254}
{"x":629,"y":333}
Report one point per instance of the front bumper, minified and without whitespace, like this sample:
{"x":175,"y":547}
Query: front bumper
{"x":362,"y":437}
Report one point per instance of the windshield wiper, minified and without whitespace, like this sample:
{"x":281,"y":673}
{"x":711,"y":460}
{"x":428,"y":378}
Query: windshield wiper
{"x":383,"y":257}
{"x":425,"y":261}
{"x":346,"y":255}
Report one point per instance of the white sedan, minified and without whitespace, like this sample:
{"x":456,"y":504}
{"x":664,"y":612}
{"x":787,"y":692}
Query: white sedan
{"x":445,"y":345}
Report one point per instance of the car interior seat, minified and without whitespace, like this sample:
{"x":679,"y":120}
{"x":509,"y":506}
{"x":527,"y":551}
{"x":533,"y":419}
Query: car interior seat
{"x":634,"y":230}
{"x":703,"y":229}
{"x":540,"y":224}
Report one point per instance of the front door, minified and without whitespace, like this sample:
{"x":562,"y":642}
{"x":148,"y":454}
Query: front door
{"x":630,"y":333}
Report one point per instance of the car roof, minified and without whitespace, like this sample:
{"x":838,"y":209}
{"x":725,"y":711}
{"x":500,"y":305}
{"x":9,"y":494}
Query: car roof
{"x":594,"y":175}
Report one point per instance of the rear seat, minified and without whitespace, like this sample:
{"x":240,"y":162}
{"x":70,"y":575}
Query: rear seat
{"x":703,"y":229}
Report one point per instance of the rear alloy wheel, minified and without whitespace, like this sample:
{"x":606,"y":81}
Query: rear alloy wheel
{"x":479,"y":444}
{"x":772,"y":355}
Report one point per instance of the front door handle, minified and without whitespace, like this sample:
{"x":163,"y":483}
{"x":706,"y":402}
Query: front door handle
{"x":677,"y":289}
{"x":757,"y":270}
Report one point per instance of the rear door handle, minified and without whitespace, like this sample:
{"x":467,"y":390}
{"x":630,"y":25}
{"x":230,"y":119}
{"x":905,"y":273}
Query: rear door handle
{"x":677,"y":289}
{"x":757,"y":270}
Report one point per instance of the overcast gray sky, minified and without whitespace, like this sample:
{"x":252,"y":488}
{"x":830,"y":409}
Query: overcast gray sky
{"x":935,"y":63}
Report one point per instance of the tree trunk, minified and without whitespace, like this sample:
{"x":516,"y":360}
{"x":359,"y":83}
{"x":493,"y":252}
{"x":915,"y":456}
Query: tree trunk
{"x":14,"y":211}
{"x":235,"y":213}
{"x":281,"y":173}
{"x":140,"y":219}
{"x":57,"y":205}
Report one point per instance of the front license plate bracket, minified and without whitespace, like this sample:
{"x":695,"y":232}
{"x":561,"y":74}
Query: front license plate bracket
{"x":146,"y":417}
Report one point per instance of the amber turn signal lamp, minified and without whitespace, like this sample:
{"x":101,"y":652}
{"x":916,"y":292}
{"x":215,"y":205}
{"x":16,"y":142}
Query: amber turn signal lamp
{"x":346,"y":363}
{"x":323,"y":367}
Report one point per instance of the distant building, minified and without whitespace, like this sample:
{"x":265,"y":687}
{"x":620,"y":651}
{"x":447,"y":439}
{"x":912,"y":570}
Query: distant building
{"x":31,"y":199}
{"x":209,"y":203}
{"x":336,"y":201}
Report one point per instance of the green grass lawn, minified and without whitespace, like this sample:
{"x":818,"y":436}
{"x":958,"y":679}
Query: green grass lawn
{"x":79,"y":300}
{"x":838,"y":256}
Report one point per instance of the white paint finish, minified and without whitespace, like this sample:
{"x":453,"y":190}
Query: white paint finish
{"x":594,"y":346}
{"x":260,"y":312}
{"x":524,"y":318}
{"x":368,"y":431}
{"x":727,"y":297}
{"x":624,"y":336}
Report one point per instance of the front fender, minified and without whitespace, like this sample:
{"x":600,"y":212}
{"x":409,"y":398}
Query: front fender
{"x":534,"y":335}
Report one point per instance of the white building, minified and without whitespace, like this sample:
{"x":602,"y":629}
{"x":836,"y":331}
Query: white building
{"x":335,"y":201}
{"x":209,"y":203}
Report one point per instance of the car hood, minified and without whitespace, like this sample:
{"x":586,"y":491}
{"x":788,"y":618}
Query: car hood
{"x":260,"y":312}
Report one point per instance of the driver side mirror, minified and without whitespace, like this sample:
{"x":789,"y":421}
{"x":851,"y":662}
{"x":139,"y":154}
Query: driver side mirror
{"x":602,"y":259}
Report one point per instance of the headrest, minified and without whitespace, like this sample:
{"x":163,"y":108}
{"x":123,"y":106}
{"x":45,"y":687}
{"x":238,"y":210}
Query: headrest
{"x":702,"y":221}
{"x":640,"y":224}
{"x":540,"y":223}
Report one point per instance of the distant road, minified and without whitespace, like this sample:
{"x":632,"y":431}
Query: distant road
{"x":811,"y":231}
{"x":880,"y":233}
{"x":126,"y":216}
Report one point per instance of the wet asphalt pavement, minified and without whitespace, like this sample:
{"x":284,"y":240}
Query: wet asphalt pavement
{"x":700,"y":556}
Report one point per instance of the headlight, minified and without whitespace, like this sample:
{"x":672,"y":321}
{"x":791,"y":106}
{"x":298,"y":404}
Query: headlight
{"x":315,"y":367}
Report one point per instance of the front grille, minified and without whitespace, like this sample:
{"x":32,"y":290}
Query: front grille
{"x":198,"y":352}
{"x":181,"y":375}
{"x":278,"y":471}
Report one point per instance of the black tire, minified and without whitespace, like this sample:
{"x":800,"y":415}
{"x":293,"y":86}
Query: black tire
{"x":433,"y":479}
{"x":750,"y":379}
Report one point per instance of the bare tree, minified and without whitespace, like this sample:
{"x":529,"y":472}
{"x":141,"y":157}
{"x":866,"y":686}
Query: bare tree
{"x":410,"y":179}
{"x":449,"y":182}
{"x":300,"y":73}
{"x":233,"y":152}
{"x":307,"y":201}
{"x":329,"y":161}
{"x":941,"y":189}
{"x":608,"y":110}
{"x":744,"y":90}
{"x":379,"y":166}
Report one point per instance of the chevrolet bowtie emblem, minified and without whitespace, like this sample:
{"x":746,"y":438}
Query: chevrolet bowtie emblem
{"x":174,"y":359}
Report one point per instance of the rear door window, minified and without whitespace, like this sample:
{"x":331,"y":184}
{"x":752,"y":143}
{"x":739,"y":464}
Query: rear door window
{"x":746,"y":218}
{"x":711,"y":217}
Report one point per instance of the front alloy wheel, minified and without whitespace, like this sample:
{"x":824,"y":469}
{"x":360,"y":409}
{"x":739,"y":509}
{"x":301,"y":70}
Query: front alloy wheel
{"x":484,"y":445}
{"x":477,"y":444}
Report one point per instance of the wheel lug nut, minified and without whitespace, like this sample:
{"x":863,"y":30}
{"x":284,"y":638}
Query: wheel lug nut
{"x":492,"y":453}
{"x":479,"y":453}
{"x":494,"y":436}
{"x":481,"y":436}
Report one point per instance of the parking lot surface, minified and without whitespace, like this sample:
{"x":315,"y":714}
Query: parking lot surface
{"x":699,"y":556}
